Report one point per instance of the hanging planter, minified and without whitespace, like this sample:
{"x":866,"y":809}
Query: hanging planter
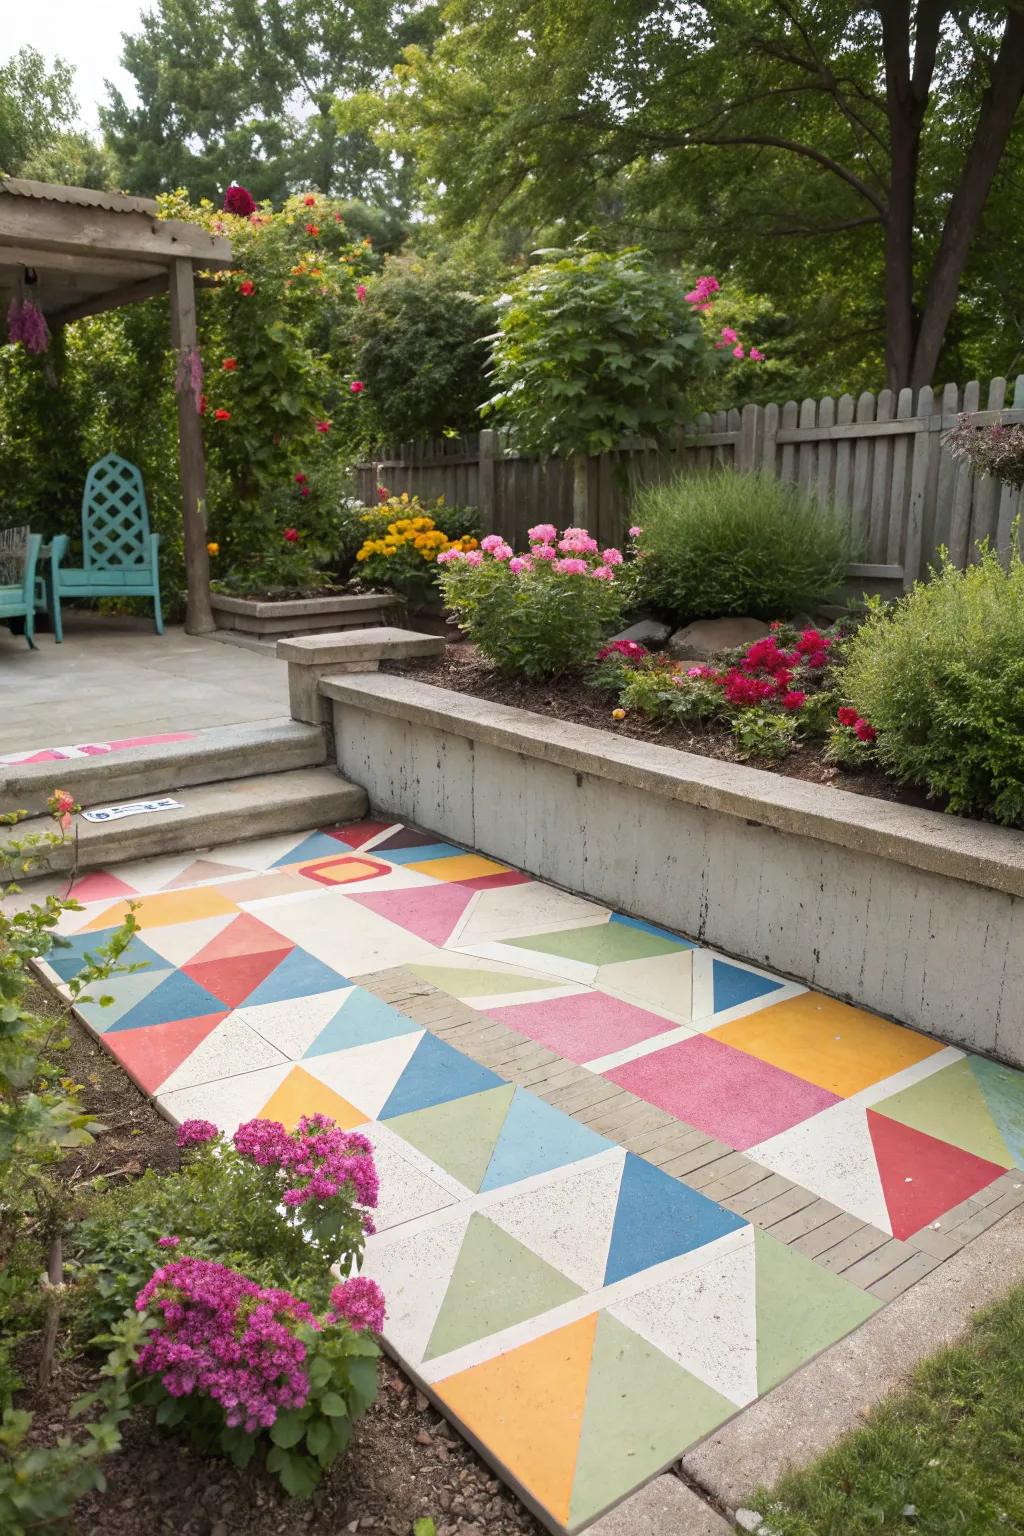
{"x":26,"y":322}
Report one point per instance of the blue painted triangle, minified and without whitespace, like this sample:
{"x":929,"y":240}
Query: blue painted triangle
{"x":299,"y":975}
{"x":535,"y":1138}
{"x":657,"y":1218}
{"x":419,"y":855}
{"x":179,"y":997}
{"x":733,"y":985}
{"x":436,"y":1074}
{"x":68,"y":961}
{"x":360,"y":1020}
{"x":646,"y":927}
{"x":318,"y":845}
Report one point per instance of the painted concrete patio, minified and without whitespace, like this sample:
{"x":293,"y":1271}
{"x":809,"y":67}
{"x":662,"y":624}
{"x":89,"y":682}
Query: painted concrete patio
{"x":628,"y":1185}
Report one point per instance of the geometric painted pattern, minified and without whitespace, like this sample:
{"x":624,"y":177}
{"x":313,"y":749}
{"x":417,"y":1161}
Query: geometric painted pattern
{"x":581,"y":1313}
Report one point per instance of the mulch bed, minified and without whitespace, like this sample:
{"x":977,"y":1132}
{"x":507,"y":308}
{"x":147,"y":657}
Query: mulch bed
{"x":405,"y":1461}
{"x":465,"y":671}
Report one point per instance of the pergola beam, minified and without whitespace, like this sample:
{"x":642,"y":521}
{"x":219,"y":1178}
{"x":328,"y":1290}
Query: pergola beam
{"x":112,"y":298}
{"x":68,"y":228}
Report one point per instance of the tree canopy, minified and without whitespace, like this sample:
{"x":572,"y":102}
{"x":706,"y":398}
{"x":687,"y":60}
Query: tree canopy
{"x":36,"y":105}
{"x":877,"y":149}
{"x":244,"y":90}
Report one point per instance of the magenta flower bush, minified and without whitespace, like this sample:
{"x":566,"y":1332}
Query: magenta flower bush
{"x":247,"y":1369}
{"x":543,"y":612}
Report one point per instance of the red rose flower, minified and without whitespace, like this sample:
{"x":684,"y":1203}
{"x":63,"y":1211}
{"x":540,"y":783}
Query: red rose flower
{"x":304,"y":490}
{"x":357,"y":386}
{"x":247,"y":288}
{"x":310,"y":202}
{"x":229,"y":364}
{"x":202,"y":405}
{"x":300,"y":479}
{"x":222,"y":415}
{"x":847,"y":716}
{"x":238,"y":201}
{"x":793,"y":700}
{"x":291,"y":535}
{"x":864,"y":732}
{"x":323,"y":426}
{"x":313,"y":230}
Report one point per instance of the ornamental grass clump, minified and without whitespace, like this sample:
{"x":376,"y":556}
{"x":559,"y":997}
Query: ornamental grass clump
{"x":940,"y":677}
{"x":728,"y":543}
{"x":540,"y":614}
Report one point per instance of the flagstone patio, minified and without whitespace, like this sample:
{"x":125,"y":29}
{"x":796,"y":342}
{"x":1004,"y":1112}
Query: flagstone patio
{"x":628,"y":1184}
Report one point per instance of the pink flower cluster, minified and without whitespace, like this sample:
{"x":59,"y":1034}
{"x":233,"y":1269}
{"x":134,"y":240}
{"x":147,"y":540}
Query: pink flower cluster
{"x":766,"y":673}
{"x":573,"y":553}
{"x":238,"y":200}
{"x":26,"y":323}
{"x":860,"y":727}
{"x":629,"y":650}
{"x":195,"y":1133}
{"x":699,"y":298}
{"x":701,"y":295}
{"x":320,"y":1159}
{"x":222,"y":1336}
{"x":360,"y":1303}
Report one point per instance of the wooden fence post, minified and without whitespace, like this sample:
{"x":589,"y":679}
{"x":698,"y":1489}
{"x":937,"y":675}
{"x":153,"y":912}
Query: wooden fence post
{"x":185,"y":340}
{"x":488,"y":451}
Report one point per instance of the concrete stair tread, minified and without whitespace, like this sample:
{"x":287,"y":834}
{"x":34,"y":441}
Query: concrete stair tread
{"x":136,"y":773}
{"x":260,"y":805}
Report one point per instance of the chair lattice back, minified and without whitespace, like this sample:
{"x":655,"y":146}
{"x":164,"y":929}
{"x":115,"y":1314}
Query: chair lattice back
{"x":13,"y":554}
{"x":115,"y":518}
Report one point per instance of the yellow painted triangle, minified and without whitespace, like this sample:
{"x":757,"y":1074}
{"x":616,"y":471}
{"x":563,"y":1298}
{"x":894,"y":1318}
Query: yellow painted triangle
{"x":302,"y":1094}
{"x":527,"y":1406}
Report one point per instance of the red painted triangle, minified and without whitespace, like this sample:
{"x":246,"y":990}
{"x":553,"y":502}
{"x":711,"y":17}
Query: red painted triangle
{"x":495,"y":882}
{"x":358,"y":835}
{"x":940,"y":1176}
{"x":429,"y":911}
{"x":151,"y":1054}
{"x":244,"y":935}
{"x":233,"y":978}
{"x":100,"y":886}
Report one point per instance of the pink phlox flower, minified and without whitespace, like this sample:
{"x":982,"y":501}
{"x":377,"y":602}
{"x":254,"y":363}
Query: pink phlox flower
{"x":193,"y":1133}
{"x":492,"y":541}
{"x":603,"y":572}
{"x":729,"y":335}
{"x":631,"y":650}
{"x":473,"y":557}
{"x":571,"y":567}
{"x":360,"y":1303}
{"x":755,"y":356}
{"x":544,"y":552}
{"x":635,"y":531}
{"x":520,"y":563}
{"x":543,"y":533}
{"x":611,"y":556}
{"x":738,"y":353}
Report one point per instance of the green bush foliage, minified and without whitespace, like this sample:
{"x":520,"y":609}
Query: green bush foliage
{"x":728,"y":543}
{"x":420,"y":347}
{"x":940,"y":676}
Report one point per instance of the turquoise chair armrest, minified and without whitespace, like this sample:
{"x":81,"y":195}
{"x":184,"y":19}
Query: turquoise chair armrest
{"x":58,"y":549}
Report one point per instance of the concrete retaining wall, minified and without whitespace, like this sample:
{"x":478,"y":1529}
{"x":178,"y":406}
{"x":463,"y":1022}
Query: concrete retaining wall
{"x":910,"y":913}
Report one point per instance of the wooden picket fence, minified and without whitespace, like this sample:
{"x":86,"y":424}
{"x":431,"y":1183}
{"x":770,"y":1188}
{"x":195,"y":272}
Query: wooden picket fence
{"x":880,"y":459}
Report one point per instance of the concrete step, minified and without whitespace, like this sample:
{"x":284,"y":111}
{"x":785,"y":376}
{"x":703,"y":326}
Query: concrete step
{"x":211,"y":815}
{"x":137,"y":773}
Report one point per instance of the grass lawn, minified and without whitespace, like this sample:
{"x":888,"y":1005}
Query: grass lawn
{"x":944,"y":1457}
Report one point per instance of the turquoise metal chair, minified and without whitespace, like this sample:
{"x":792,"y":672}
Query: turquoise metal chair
{"x":21,"y":591}
{"x":120,"y":555}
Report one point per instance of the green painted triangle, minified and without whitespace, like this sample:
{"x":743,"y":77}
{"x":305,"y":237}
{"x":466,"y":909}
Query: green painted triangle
{"x":459,"y":1136}
{"x":598,"y":944}
{"x":466,"y":982}
{"x":642,"y":1412}
{"x":950,"y":1105}
{"x":1003,"y":1088}
{"x":801,"y":1309}
{"x":496,"y":1282}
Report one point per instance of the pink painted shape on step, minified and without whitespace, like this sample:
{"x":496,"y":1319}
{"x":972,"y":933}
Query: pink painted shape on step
{"x":100,"y":886}
{"x":583,"y":1027}
{"x":732,"y":1096}
{"x":148,"y":741}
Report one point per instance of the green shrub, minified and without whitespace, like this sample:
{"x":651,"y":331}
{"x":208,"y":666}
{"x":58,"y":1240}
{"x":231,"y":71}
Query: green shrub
{"x":726,"y":543}
{"x":940,"y":676}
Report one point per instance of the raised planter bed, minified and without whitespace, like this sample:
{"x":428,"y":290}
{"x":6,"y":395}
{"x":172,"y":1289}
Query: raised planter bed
{"x":302,"y":615}
{"x":905,"y":911}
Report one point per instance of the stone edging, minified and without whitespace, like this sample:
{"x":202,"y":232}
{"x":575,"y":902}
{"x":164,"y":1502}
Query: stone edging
{"x":975,"y":852}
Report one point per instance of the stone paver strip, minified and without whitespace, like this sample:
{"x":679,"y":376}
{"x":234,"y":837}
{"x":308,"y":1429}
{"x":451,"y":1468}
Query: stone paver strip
{"x":787,"y":1204}
{"x":902,"y":1277}
{"x":868,"y":1271}
{"x":768,"y":1188}
{"x":804,"y":1221}
{"x":858,"y":1246}
{"x":820,"y":1239}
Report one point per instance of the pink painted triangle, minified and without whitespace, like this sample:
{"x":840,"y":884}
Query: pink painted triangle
{"x":100,"y":886}
{"x":205,"y":869}
{"x":430,"y":912}
{"x":151,"y":1054}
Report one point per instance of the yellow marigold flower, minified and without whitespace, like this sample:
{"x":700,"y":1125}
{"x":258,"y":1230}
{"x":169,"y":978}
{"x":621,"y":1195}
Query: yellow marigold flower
{"x":404,"y":498}
{"x":213,"y":548}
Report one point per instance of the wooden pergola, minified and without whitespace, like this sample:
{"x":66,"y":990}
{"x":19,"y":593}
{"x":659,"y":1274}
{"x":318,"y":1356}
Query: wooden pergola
{"x":78,"y":252}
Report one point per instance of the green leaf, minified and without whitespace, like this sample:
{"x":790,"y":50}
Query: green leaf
{"x":318,"y":1437}
{"x":333,"y":1405}
{"x":287,"y":1430}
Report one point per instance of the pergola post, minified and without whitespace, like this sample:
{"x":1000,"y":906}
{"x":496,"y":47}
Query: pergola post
{"x":184,"y":337}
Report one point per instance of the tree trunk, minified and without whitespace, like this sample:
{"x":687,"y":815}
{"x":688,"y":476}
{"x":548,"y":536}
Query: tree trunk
{"x":184,"y":336}
{"x":580,"y":489}
{"x":995,"y":121}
